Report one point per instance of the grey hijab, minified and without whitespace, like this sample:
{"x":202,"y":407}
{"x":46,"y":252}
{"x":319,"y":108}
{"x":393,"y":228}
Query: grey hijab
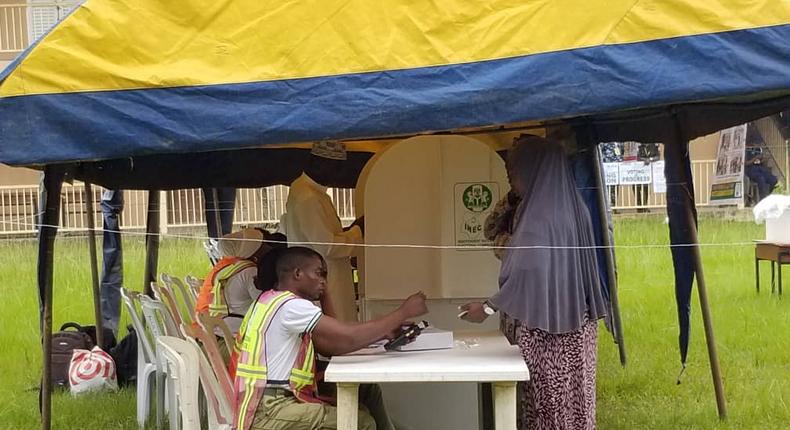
{"x":553,"y":286}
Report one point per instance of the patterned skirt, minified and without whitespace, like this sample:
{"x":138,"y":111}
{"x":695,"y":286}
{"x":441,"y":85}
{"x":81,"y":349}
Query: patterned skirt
{"x":561,"y":392}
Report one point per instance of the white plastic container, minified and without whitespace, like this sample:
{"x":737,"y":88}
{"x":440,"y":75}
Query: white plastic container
{"x":777,"y":230}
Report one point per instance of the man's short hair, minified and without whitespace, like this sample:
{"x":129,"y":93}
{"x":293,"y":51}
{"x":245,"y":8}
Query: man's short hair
{"x":293,"y":258}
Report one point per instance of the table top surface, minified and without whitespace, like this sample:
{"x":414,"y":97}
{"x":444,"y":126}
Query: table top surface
{"x":476,"y":357}
{"x":767,"y":243}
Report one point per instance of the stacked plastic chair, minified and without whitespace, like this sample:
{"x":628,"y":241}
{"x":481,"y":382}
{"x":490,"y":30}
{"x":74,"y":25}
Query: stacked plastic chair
{"x":146,"y":357}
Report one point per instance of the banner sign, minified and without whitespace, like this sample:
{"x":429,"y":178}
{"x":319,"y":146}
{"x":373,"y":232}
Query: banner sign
{"x":659,"y":180}
{"x":611,"y":173}
{"x":635,"y":173}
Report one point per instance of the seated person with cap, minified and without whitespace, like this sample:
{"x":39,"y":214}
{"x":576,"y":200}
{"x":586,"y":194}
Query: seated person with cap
{"x":229,"y":289}
{"x":759,"y":173}
{"x":275,"y":376}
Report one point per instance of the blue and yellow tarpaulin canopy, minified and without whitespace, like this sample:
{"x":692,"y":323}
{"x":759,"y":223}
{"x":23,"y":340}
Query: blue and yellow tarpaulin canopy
{"x":128,"y":78}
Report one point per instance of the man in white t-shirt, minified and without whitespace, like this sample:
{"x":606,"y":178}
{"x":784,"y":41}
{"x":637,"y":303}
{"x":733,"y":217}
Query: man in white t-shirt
{"x":275,"y":376}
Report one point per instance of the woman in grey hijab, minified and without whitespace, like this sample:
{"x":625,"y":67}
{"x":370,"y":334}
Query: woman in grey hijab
{"x":549,"y":284}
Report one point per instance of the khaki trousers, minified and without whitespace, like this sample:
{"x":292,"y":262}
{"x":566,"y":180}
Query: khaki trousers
{"x":284,"y":412}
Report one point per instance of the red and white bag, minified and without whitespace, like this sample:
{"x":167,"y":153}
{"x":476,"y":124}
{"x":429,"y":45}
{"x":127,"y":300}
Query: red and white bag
{"x":92,"y":370}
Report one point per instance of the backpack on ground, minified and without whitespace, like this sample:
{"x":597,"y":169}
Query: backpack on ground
{"x":108,"y":337}
{"x":125,"y":357}
{"x":64,"y":343}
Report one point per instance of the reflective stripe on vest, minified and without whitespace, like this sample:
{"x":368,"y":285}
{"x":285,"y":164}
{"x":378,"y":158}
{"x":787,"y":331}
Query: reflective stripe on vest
{"x":217,"y":307}
{"x":251,"y":370}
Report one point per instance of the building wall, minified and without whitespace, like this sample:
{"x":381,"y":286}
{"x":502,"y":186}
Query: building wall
{"x":17,"y":176}
{"x":705,"y":147}
{"x":6,"y":29}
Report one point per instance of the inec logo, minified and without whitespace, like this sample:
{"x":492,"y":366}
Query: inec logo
{"x":477,"y":197}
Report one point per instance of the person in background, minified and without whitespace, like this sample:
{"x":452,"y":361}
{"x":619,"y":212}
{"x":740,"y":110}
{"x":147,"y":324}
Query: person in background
{"x":275,"y":378}
{"x":549,"y":283}
{"x":112,"y":262}
{"x":311,"y":220}
{"x":646,"y":153}
{"x":759,"y":173}
{"x":229,"y":289}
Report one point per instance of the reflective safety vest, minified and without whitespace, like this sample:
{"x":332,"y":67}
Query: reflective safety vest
{"x":211,"y":298}
{"x":251,"y":370}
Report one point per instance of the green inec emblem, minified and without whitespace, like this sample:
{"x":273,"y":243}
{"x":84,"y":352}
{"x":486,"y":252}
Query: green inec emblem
{"x":477,"y":197}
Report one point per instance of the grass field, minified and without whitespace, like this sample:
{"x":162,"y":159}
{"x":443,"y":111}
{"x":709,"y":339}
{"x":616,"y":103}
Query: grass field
{"x":752,"y":334}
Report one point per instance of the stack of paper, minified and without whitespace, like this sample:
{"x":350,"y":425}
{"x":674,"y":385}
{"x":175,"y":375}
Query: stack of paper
{"x":430,"y":338}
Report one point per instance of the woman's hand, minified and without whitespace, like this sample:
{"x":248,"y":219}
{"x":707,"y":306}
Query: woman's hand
{"x":473,"y":312}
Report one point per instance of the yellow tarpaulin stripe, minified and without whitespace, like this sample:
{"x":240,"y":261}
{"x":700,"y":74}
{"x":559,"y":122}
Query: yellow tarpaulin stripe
{"x":132,"y":44}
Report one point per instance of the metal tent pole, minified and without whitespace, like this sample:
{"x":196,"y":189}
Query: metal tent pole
{"x":217,"y":215}
{"x":151,"y":240}
{"x":53,"y":180}
{"x":89,"y":213}
{"x":611,"y":272}
{"x":676,"y":152}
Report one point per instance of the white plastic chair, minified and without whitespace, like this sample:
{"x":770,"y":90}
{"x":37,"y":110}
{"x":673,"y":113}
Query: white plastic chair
{"x":160,"y":323}
{"x":219,"y":370}
{"x":195,"y":285}
{"x":146,"y":358}
{"x":182,"y":363}
{"x":220,"y":405}
{"x":157,"y":315}
{"x":182,"y":293}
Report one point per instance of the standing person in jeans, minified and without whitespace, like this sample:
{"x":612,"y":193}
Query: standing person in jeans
{"x":646,"y":153}
{"x":112,"y":261}
{"x":549,"y":283}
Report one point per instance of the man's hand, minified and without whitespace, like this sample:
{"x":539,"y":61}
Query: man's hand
{"x":414,"y":306}
{"x":473,"y":312}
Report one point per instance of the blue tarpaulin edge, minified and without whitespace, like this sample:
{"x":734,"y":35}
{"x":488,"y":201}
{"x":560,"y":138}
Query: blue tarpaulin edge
{"x":39,"y":129}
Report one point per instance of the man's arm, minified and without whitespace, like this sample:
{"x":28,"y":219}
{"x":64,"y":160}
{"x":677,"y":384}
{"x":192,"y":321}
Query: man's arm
{"x":333,"y":337}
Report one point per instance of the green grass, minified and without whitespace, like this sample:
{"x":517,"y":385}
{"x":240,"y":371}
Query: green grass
{"x":752,"y":334}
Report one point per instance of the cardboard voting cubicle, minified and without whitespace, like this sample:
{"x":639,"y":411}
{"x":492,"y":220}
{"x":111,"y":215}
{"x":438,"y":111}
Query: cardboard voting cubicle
{"x":434,"y":191}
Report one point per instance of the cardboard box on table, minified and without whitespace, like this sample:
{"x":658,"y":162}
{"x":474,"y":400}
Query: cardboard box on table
{"x":434,"y":191}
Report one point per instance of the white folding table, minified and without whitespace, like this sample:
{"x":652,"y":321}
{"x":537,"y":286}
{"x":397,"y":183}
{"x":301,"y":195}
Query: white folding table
{"x":476,"y":357}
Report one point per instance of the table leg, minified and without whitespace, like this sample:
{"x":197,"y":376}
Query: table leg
{"x":773,"y":278}
{"x":505,"y":405}
{"x":780,"y":275}
{"x":347,"y":406}
{"x":757,"y":274}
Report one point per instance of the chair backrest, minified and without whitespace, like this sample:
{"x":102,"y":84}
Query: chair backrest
{"x":167,"y":296}
{"x":131,"y":300}
{"x":219,"y":396}
{"x":158,"y":317}
{"x":210,"y":349}
{"x":182,"y":293}
{"x":182,"y":363}
{"x":194,"y":285}
{"x":219,"y":327}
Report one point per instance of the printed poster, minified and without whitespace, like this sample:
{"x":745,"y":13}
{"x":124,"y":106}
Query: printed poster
{"x":611,"y":173}
{"x":473,"y":203}
{"x":727,"y":183}
{"x":634,"y":173}
{"x":659,"y":180}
